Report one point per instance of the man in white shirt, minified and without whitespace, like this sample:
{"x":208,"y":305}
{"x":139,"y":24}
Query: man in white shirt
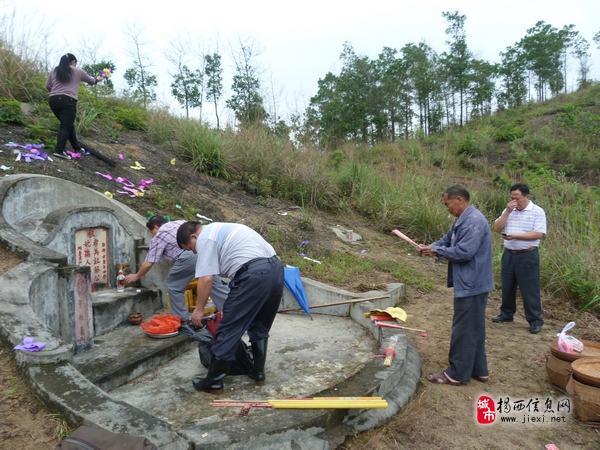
{"x":523,"y":225}
{"x":239,"y":253}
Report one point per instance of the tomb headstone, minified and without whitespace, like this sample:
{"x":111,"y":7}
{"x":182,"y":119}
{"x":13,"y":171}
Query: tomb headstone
{"x":91,"y":249}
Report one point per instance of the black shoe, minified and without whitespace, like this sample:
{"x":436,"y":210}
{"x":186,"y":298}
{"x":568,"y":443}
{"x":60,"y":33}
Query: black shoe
{"x":535,"y":328}
{"x":259,"y":353}
{"x":213,"y":383}
{"x":502,"y":319}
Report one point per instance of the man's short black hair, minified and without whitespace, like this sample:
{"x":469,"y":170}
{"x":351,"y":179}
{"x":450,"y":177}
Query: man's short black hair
{"x":156,"y":221}
{"x":523,"y":188}
{"x":457,"y":191}
{"x":185,"y":232}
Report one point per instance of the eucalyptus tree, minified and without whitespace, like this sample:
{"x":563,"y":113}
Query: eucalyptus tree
{"x":482,"y":88}
{"x":214,"y":83}
{"x":570,"y":39}
{"x":513,"y":77}
{"x":187,"y":88}
{"x":354,"y":83}
{"x":325,"y":112}
{"x":392,"y":98}
{"x":139,"y":79}
{"x":188,"y":83}
{"x":423,"y":67}
{"x":581,"y":52}
{"x":543,"y":48}
{"x":343,"y":107}
{"x":397,"y":80}
{"x":273,"y":97}
{"x":246,"y":101}
{"x":457,"y":60}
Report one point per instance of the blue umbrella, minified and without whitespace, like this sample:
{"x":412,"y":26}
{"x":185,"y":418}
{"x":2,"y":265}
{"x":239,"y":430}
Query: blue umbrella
{"x":292,"y":281}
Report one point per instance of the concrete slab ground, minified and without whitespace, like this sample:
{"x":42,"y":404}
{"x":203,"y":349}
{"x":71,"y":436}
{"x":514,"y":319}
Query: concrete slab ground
{"x":304,"y":358}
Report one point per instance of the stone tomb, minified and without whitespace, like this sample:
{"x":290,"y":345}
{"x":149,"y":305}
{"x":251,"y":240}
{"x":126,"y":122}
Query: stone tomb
{"x":73,"y":239}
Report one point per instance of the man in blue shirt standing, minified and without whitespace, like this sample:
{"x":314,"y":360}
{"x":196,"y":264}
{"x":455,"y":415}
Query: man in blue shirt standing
{"x":468,"y":249}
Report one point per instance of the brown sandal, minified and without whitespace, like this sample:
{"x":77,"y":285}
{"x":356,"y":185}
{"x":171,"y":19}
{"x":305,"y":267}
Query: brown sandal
{"x":481,"y":379}
{"x":442,"y":378}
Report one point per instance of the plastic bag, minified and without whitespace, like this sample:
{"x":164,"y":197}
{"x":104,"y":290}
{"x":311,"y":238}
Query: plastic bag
{"x":569,"y":344}
{"x":162,"y":324}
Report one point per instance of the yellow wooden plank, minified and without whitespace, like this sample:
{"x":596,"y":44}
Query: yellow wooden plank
{"x":338,"y":398}
{"x":328,"y":404}
{"x":299,"y":399}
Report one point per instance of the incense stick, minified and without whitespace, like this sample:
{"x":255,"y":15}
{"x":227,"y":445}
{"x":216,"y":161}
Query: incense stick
{"x":406,"y":238}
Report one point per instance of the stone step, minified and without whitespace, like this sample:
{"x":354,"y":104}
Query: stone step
{"x":112,"y":308}
{"x":126,"y":353}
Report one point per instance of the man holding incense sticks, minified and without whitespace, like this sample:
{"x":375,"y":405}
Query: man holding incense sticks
{"x":468,"y":249}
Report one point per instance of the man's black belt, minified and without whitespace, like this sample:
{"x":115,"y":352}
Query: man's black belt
{"x":255,"y":262}
{"x":516,"y":252}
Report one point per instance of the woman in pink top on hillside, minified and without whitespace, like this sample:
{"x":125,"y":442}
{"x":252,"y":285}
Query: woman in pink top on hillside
{"x":63,"y":84}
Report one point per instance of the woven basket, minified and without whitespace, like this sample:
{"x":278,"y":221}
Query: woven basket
{"x":590,"y":349}
{"x":586,"y":400}
{"x":558,"y":371}
{"x":587,"y":371}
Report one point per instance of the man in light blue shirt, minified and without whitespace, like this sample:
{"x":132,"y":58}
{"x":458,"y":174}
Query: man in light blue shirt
{"x":468,"y":249}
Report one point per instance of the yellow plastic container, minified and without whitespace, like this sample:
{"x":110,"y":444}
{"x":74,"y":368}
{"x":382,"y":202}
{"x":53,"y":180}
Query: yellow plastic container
{"x":191,"y":295}
{"x":210,"y":307}
{"x":190,"y":300}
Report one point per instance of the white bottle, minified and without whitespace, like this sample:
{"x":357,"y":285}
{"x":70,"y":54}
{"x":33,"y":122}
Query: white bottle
{"x":120,"y":282}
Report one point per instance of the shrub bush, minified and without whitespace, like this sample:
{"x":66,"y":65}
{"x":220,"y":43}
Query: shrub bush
{"x":509,"y":133}
{"x":132,"y":118}
{"x":202,"y":146}
{"x":10,"y":111}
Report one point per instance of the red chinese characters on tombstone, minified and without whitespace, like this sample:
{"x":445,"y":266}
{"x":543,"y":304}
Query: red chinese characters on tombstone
{"x":486,"y":410}
{"x":103,"y":262}
{"x":91,"y":245}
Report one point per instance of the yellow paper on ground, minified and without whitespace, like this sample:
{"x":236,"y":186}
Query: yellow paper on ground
{"x":392,"y":311}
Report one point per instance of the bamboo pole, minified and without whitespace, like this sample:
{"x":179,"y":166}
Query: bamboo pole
{"x":227,"y":401}
{"x":308,"y":403}
{"x":345,"y":302}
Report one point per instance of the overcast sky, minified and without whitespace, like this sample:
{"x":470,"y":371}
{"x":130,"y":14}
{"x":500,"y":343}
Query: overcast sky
{"x":302,"y":41}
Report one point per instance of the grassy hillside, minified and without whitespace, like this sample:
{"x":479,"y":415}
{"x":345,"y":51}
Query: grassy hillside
{"x":552,"y":146}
